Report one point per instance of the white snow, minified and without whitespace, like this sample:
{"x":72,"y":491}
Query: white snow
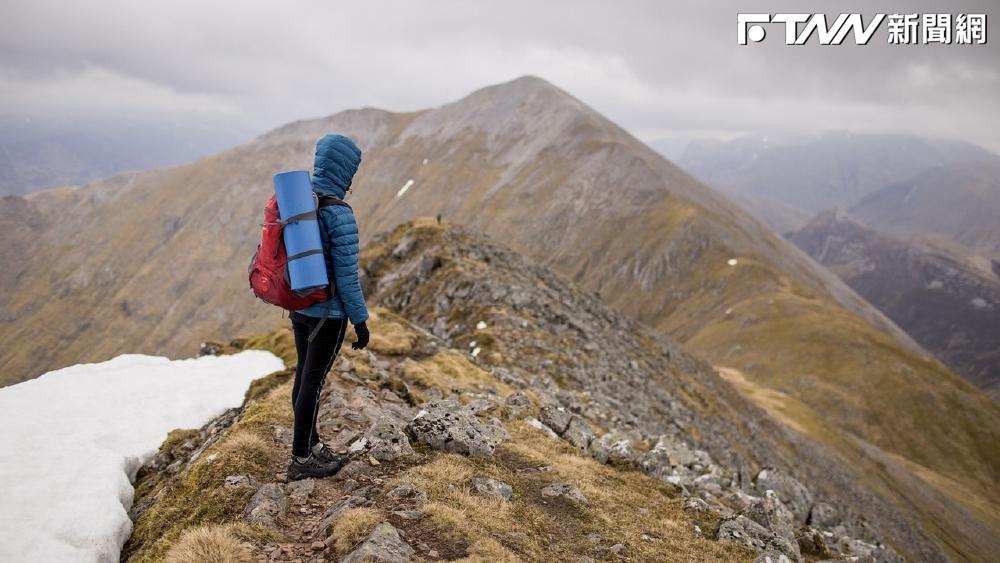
{"x":732,"y":262}
{"x":74,"y":438}
{"x":481,"y":325}
{"x":406,"y":186}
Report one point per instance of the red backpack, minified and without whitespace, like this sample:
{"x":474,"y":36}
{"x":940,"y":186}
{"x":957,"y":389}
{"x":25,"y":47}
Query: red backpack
{"x":268,"y":268}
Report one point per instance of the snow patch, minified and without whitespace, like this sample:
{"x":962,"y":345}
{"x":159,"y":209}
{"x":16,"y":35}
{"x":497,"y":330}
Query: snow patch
{"x":75,"y":438}
{"x":732,"y":262}
{"x":406,"y":186}
{"x":425,"y":161}
{"x":476,"y":351}
{"x":481,"y":325}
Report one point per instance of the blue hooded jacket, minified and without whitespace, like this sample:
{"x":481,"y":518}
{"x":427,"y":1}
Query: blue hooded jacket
{"x":337,"y":159}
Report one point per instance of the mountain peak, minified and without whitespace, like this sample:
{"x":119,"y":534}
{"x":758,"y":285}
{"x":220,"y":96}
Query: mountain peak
{"x":524,"y":85}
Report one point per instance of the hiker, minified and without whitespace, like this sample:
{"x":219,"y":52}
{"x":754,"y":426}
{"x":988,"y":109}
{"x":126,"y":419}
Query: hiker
{"x":337,"y":159}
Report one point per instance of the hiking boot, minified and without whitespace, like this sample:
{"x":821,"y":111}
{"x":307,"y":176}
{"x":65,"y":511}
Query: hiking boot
{"x":323,"y":452}
{"x":312,"y":466}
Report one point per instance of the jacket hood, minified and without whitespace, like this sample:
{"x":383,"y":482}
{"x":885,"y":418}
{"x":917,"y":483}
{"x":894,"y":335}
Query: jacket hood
{"x":337,"y":160}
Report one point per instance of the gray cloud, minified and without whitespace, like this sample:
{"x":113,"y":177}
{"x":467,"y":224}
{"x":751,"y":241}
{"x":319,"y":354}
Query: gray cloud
{"x":658,"y":68}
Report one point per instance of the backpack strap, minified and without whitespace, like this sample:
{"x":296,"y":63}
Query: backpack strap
{"x":328,"y":200}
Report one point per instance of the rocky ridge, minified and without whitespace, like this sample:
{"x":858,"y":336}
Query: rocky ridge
{"x":501,"y":410}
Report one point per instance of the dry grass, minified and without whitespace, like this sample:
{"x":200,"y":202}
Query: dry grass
{"x":389,"y":333}
{"x":354,"y":526}
{"x":246,"y":444}
{"x":554,"y":529}
{"x":209,"y":543}
{"x":452,"y":372}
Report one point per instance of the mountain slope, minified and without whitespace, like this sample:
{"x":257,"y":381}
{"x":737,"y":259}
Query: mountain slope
{"x":958,"y":204}
{"x":540,"y":171}
{"x":949,"y":307}
{"x":475,"y":323}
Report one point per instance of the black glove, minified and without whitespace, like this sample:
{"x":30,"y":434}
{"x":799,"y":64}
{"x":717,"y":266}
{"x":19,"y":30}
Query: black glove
{"x":361,"y":329}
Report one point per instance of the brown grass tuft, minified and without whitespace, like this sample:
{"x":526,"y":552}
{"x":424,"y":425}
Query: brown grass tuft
{"x":208,"y":543}
{"x":354,"y":526}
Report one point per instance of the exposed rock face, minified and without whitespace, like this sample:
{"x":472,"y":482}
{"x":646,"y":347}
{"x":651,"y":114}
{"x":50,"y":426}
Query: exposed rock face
{"x":445,"y":425}
{"x":383,"y":545}
{"x":267,"y":505}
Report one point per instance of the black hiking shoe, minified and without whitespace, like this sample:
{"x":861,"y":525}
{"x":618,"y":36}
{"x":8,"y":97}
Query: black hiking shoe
{"x":313,"y":466}
{"x":326,"y":454}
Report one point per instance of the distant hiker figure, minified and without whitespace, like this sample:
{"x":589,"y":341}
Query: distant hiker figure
{"x":439,"y":218}
{"x":337,"y":159}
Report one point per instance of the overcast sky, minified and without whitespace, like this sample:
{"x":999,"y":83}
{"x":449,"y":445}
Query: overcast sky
{"x":658,"y":69}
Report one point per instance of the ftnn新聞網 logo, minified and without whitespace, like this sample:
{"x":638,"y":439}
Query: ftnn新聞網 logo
{"x":902,"y":29}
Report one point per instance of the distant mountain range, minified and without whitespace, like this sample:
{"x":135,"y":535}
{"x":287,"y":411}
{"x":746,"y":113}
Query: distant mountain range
{"x":955,"y":204}
{"x":155,"y":262}
{"x":947,"y":305}
{"x":45,"y":152}
{"x":785,"y":181}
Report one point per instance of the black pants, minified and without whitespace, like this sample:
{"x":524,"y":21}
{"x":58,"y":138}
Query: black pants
{"x":313,"y":363}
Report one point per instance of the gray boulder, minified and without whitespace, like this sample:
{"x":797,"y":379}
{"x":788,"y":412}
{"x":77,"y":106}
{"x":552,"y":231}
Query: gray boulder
{"x":742,"y":530}
{"x":792,"y":493}
{"x":385,"y":440}
{"x":300,"y":490}
{"x":535,"y":423}
{"x":492,"y":488}
{"x":770,"y":513}
{"x":578,"y":433}
{"x":517,"y":401}
{"x":444,"y":425}
{"x":555,"y":417}
{"x":613,"y":448}
{"x":266,"y":505}
{"x":407,"y":492}
{"x":667,"y":454}
{"x":239,"y":482}
{"x":566,"y":491}
{"x":383,"y":545}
